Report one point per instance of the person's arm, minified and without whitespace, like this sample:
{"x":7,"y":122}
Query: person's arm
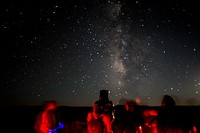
{"x":107,"y":122}
{"x":45,"y":124}
{"x":89,"y":118}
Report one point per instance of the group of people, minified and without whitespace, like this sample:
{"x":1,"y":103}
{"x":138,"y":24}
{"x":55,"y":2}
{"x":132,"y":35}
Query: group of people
{"x":104,"y":118}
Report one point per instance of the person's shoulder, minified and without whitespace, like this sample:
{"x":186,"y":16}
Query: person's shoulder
{"x":89,"y":114}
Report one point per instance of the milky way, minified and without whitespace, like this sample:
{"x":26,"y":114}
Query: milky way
{"x":70,"y":50}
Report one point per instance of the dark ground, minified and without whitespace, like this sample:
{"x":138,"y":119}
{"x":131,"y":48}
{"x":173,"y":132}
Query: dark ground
{"x":21,"y":118}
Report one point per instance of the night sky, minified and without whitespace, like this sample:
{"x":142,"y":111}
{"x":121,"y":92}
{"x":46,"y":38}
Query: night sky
{"x":69,"y":50}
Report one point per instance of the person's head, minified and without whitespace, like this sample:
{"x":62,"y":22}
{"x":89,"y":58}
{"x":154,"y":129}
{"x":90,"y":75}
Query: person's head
{"x":50,"y":105}
{"x":103,"y":95}
{"x":168,"y":102}
{"x":130,"y":106}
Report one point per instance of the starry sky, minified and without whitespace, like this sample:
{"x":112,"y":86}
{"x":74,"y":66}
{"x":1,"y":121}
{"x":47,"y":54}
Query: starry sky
{"x":69,"y":50}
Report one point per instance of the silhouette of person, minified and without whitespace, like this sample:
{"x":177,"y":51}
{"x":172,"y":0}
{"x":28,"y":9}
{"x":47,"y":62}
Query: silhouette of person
{"x":105,"y":105}
{"x":48,"y":119}
{"x":98,"y":122}
{"x":131,"y":121}
{"x":168,"y":119}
